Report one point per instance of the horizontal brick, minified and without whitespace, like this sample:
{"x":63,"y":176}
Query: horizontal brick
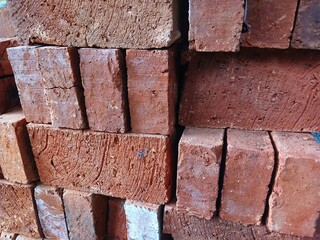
{"x":117,"y":222}
{"x":270,"y":23}
{"x":151,"y":90}
{"x":24,"y":61}
{"x":16,"y":159}
{"x":254,"y":89}
{"x":5,"y":67}
{"x":103,"y":79}
{"x":133,"y":24}
{"x":51,"y":212}
{"x":132,"y":166}
{"x":200,"y":152}
{"x":248,"y":170}
{"x":20,"y":217}
{"x":8,"y":94}
{"x":215,"y":26}
{"x":295,"y":202}
{"x":86,"y":215}
{"x":307,"y":29}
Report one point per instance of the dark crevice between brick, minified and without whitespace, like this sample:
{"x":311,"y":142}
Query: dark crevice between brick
{"x":124,"y":70}
{"x":272,"y":181}
{"x":61,"y":190}
{"x":317,"y":228}
{"x":294,"y":22}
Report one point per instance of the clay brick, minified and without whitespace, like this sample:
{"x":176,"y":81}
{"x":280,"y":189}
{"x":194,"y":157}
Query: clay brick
{"x":183,"y":226}
{"x":8,"y":94}
{"x":7,"y":27}
{"x":151,"y":90}
{"x":307,"y":29}
{"x":5,"y":67}
{"x":24,"y":61}
{"x":59,"y":67}
{"x":103,"y":79}
{"x":215,"y":26}
{"x":51,"y":212}
{"x":117,"y":222}
{"x":86,"y":215}
{"x":200,"y":152}
{"x":20,"y":217}
{"x":295,"y":203}
{"x":254,"y":89}
{"x":249,"y":166}
{"x":16,"y":158}
{"x":148,"y":214}
{"x":107,"y":24}
{"x":8,"y":236}
{"x":271,"y":23}
{"x":133,"y":166}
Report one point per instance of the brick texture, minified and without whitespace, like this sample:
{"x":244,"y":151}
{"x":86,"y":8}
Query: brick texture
{"x":295,"y":203}
{"x":200,"y":152}
{"x":8,"y":94}
{"x":8,"y":236}
{"x":103,"y":79}
{"x":151,"y":90}
{"x":117,"y":222}
{"x":132,"y":166}
{"x":5,"y":67}
{"x":7,"y":27}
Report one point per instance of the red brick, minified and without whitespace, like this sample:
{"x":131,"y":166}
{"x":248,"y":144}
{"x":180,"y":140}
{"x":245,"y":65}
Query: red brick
{"x":16,"y":158}
{"x":8,"y":94}
{"x":7,"y":27}
{"x":107,"y":24}
{"x":103,"y":79}
{"x":249,"y":166}
{"x":151,"y":90}
{"x":51,"y":212}
{"x":254,"y":89}
{"x":307,"y":29}
{"x":5,"y":67}
{"x":295,"y":202}
{"x":59,"y":67}
{"x":200,"y":152}
{"x":86,"y":215}
{"x":24,"y":61}
{"x":215,"y":26}
{"x":271,"y":23}
{"x":17,"y":212}
{"x":117,"y":222}
{"x":133,"y":166}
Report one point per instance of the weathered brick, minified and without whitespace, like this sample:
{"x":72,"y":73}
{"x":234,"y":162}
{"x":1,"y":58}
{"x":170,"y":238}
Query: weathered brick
{"x":117,"y":222}
{"x":249,"y":166}
{"x":7,"y":27}
{"x":295,"y":202}
{"x":133,"y":166}
{"x":86,"y":215}
{"x":8,"y":94}
{"x":24,"y":61}
{"x":307,"y":29}
{"x":254,"y":89}
{"x":51,"y":212}
{"x":8,"y":236}
{"x":107,"y":24}
{"x":200,"y":152}
{"x":151,"y":90}
{"x":270,"y":23}
{"x":215,"y":26}
{"x":16,"y":159}
{"x":22,"y":237}
{"x":103,"y":79}
{"x":5,"y":67}
{"x":148,"y":214}
{"x":17,"y":212}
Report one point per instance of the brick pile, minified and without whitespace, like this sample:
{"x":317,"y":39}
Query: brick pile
{"x":107,"y":145}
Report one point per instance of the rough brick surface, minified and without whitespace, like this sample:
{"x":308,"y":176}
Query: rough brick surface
{"x":200,"y":152}
{"x":254,"y":89}
{"x":215,"y":26}
{"x":249,"y":166}
{"x":107,"y":24}
{"x":151,"y":90}
{"x":117,"y":222}
{"x":21,"y":216}
{"x":146,"y":213}
{"x":8,"y":94}
{"x":59,"y":67}
{"x":271,"y":23}
{"x":5,"y":67}
{"x":7,"y":236}
{"x":129,"y":166}
{"x":16,"y":158}
{"x":24,"y":61}
{"x":7,"y":27}
{"x":86,"y":215}
{"x":183,"y":226}
{"x":103,"y":79}
{"x":22,"y":237}
{"x":307,"y":30}
{"x":295,"y":202}
{"x":51,"y":212}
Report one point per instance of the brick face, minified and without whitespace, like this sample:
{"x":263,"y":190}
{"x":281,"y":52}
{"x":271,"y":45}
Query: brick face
{"x":117,"y":222}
